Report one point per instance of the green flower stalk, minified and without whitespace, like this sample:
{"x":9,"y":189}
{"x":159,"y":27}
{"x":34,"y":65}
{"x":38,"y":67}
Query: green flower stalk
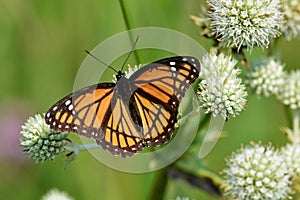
{"x":244,"y":23}
{"x":266,"y":79}
{"x":291,"y":13}
{"x":289,"y":93}
{"x":40,"y":142}
{"x":221,"y":92}
{"x":257,"y":172}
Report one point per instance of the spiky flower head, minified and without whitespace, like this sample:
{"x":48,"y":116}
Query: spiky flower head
{"x":244,"y":23}
{"x":291,"y":13}
{"x":257,"y":172}
{"x":221,"y":92}
{"x":291,"y":152}
{"x":40,"y":142}
{"x":289,"y":93}
{"x":55,"y":194}
{"x":267,"y":78}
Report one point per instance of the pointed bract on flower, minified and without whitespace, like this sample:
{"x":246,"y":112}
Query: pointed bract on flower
{"x":291,"y":13}
{"x":221,"y":92}
{"x":267,"y":78}
{"x":40,"y":142}
{"x":257,"y":172}
{"x":244,"y":23}
{"x":291,"y":152}
{"x":55,"y":194}
{"x":289,"y":93}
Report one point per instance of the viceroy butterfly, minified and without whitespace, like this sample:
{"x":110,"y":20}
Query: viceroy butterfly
{"x":133,"y":113}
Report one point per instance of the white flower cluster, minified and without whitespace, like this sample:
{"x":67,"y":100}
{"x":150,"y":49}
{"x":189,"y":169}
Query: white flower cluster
{"x":257,"y":172}
{"x":221,"y":92}
{"x":55,"y":194}
{"x":244,"y":23}
{"x":291,"y":13}
{"x":291,"y":152}
{"x":40,"y":142}
{"x":289,"y":93}
{"x":267,"y":78}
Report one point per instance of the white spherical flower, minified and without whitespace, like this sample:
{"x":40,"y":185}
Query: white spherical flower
{"x":257,"y":172}
{"x":40,"y":142}
{"x":291,"y":152}
{"x":267,"y":78}
{"x":221,"y":92}
{"x":55,"y":194}
{"x":291,"y":13}
{"x":245,"y":23}
{"x":289,"y":93}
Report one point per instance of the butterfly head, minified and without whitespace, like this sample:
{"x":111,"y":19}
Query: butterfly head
{"x":120,"y":75}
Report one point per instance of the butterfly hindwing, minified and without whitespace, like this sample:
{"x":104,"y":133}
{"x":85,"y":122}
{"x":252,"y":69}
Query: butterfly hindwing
{"x":122,"y":135}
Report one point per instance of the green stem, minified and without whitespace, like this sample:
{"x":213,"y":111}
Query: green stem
{"x":273,"y":47}
{"x":81,"y":147}
{"x":296,"y":131}
{"x":198,"y":177}
{"x":159,"y":185}
{"x":129,"y":26}
{"x":288,"y":114}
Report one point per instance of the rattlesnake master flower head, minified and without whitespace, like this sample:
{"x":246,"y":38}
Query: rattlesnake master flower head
{"x":257,"y":172}
{"x":266,"y":79}
{"x":221,"y":92}
{"x":244,"y":23}
{"x":289,"y":93}
{"x":40,"y":142}
{"x":55,"y":194}
{"x":291,"y":152}
{"x":291,"y":12}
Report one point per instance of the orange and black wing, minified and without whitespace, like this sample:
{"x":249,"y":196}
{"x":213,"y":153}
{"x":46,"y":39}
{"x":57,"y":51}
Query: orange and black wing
{"x":91,"y":112}
{"x":134,"y":113}
{"x":160,"y":86}
{"x":83,"y":111}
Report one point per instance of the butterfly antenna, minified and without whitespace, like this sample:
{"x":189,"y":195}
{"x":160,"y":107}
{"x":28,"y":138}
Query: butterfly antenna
{"x":86,"y":51}
{"x":132,"y":49}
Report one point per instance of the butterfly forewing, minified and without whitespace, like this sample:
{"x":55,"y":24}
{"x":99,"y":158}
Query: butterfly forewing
{"x":175,"y":74}
{"x":136,"y":112}
{"x":83,"y":111}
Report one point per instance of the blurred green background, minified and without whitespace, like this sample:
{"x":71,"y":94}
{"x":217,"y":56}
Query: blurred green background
{"x":41,"y":49}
